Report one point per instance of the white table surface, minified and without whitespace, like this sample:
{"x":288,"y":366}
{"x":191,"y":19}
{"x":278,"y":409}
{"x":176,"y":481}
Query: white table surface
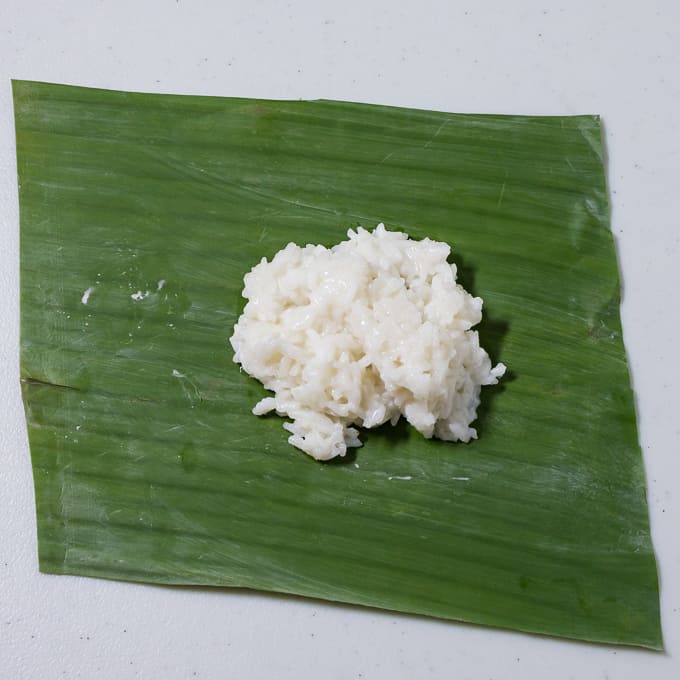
{"x":619,"y":59}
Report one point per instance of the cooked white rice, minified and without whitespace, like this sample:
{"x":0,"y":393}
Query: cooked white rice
{"x":374,"y":328}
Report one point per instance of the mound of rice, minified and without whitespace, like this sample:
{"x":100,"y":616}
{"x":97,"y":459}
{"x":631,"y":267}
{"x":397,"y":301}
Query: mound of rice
{"x":374,"y":328}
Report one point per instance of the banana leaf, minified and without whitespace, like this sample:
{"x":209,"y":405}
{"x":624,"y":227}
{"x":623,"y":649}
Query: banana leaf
{"x":140,"y":215}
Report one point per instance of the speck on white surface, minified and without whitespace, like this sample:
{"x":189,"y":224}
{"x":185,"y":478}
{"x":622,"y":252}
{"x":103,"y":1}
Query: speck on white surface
{"x":618,"y":59}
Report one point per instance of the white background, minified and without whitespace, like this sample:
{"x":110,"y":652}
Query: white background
{"x":619,"y":59}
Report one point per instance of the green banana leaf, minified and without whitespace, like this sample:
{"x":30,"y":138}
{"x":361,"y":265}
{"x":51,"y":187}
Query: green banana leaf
{"x":140,"y":214}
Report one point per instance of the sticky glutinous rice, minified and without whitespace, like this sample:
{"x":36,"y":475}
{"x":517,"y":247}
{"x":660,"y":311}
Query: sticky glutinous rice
{"x":359,"y":334}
